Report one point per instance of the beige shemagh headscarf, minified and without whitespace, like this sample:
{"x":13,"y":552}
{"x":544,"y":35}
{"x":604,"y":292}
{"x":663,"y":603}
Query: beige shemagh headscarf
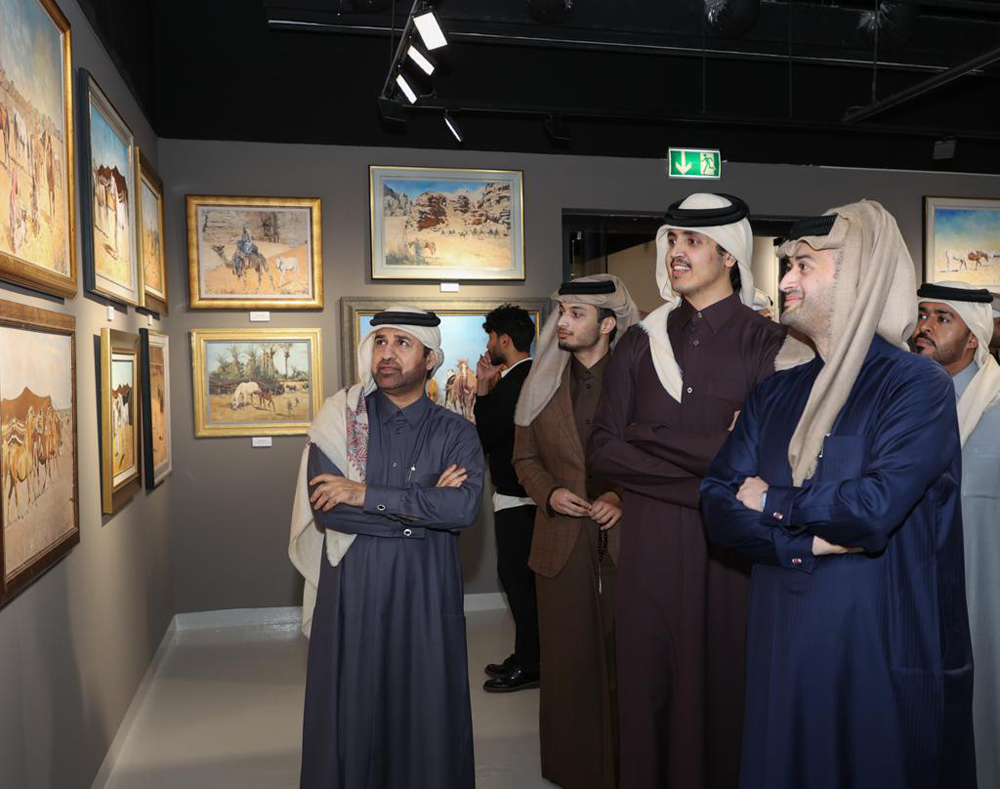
{"x":735,"y":237}
{"x":550,"y":360}
{"x":983,"y":390}
{"x":874,"y":293}
{"x":340,"y":430}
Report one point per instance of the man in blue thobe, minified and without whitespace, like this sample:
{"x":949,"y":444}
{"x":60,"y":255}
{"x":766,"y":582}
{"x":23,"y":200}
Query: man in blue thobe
{"x":386,"y":484}
{"x":841,"y":480}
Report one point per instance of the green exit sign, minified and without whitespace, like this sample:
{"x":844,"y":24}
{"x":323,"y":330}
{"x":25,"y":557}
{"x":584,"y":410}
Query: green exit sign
{"x":693,"y":163}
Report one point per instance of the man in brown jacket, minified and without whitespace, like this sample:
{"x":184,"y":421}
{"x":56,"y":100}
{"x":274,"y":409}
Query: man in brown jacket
{"x":575,"y":544}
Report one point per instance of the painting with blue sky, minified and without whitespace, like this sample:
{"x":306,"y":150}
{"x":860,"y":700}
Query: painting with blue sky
{"x":963,"y":241}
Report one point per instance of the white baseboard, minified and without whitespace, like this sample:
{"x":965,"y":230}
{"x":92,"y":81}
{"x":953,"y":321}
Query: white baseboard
{"x":125,"y":727}
{"x":484,"y":602}
{"x":290,"y":616}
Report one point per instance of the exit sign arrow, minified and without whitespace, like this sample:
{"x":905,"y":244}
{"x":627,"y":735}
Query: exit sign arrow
{"x":694,"y":163}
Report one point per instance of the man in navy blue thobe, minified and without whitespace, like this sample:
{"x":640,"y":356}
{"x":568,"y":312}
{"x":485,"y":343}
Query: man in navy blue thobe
{"x":841,"y":480}
{"x":387,"y":695}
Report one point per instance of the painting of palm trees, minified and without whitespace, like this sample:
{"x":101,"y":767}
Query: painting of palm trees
{"x":256,"y":382}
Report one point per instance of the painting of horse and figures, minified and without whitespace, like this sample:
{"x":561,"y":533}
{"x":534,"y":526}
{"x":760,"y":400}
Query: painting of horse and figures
{"x":962,"y":241}
{"x":38,"y":474}
{"x":108,"y":151}
{"x":36,"y":152}
{"x":256,"y":382}
{"x":462,"y":340}
{"x":254,"y":252}
{"x":446,"y":224}
{"x":120,"y":415}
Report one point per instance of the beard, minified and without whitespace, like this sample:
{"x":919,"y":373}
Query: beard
{"x":496,"y":359}
{"x":397,"y":379}
{"x":944,"y":353}
{"x":813,"y":315}
{"x":581,"y":341}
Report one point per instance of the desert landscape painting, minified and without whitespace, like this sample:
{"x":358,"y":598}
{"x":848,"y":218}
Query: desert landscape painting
{"x":123,"y":421}
{"x":446,"y":224}
{"x":259,"y":252}
{"x":152,"y":254}
{"x":112,"y":194}
{"x":158,"y":407}
{"x":38,"y":453}
{"x":963,"y":241}
{"x":35,"y":188}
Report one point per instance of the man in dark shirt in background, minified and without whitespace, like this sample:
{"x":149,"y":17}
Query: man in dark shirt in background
{"x":672,"y":391}
{"x":500,"y":374}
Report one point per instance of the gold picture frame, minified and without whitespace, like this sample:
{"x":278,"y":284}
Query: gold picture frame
{"x":150,"y":245}
{"x":120,"y":402}
{"x":16,"y":268}
{"x":231,"y":266}
{"x":442,"y":223}
{"x":40,"y":522}
{"x":240,"y":388}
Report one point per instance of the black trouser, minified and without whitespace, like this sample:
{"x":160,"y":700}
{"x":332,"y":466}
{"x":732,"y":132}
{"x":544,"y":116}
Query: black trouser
{"x":514,"y":528}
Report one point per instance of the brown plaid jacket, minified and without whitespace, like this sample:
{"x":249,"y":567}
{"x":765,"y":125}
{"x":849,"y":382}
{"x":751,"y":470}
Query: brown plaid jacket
{"x":548,"y":455}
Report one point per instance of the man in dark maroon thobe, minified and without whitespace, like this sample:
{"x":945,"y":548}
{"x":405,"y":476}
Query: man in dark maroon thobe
{"x":672,"y":391}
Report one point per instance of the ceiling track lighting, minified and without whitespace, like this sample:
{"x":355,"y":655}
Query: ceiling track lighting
{"x":453,"y":127}
{"x":421,"y":23}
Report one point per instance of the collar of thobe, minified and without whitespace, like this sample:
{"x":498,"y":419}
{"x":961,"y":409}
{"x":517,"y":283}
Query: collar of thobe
{"x":964,"y":378}
{"x":596,"y":370}
{"x":715,"y":315}
{"x":413,"y":413}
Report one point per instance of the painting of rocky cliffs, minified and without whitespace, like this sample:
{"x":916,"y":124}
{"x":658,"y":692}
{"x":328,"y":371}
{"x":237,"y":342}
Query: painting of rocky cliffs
{"x":446,"y":224}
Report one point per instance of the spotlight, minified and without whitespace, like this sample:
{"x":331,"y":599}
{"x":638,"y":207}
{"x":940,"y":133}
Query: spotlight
{"x":453,"y":127}
{"x":430,"y":31}
{"x":391,"y":110}
{"x":405,"y":87}
{"x":418,"y":57}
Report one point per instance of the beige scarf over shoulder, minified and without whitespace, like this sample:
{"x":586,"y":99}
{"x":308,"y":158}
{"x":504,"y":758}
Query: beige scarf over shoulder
{"x":983,"y":391}
{"x":874,"y":293}
{"x":340,"y":430}
{"x":550,"y":360}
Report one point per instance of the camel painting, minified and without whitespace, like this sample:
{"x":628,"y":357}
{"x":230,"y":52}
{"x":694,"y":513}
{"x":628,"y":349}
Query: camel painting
{"x":962,"y":241}
{"x":37,"y":444}
{"x":246,"y":251}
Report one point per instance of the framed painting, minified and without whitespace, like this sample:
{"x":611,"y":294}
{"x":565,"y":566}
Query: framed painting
{"x":119,"y":422}
{"x":107,"y":212}
{"x":962,"y":241}
{"x":39,"y":506}
{"x":256,"y":382}
{"x":254,"y":252}
{"x":462,"y":340}
{"x":156,"y":448}
{"x":446,"y":224}
{"x":37,"y":159}
{"x":152,"y":258}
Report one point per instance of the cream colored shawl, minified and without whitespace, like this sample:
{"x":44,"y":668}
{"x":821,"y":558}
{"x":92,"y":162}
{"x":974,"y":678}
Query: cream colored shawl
{"x":875,"y":293}
{"x":983,"y":390}
{"x":550,"y":360}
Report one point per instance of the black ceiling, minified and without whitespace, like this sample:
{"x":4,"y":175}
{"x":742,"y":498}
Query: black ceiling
{"x":628,"y":77}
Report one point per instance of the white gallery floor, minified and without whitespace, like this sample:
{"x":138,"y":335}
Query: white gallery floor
{"x":224,"y":711}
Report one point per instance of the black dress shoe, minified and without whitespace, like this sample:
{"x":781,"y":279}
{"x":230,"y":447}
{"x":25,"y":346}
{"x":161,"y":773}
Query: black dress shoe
{"x":500,"y":669}
{"x":517,"y":679}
